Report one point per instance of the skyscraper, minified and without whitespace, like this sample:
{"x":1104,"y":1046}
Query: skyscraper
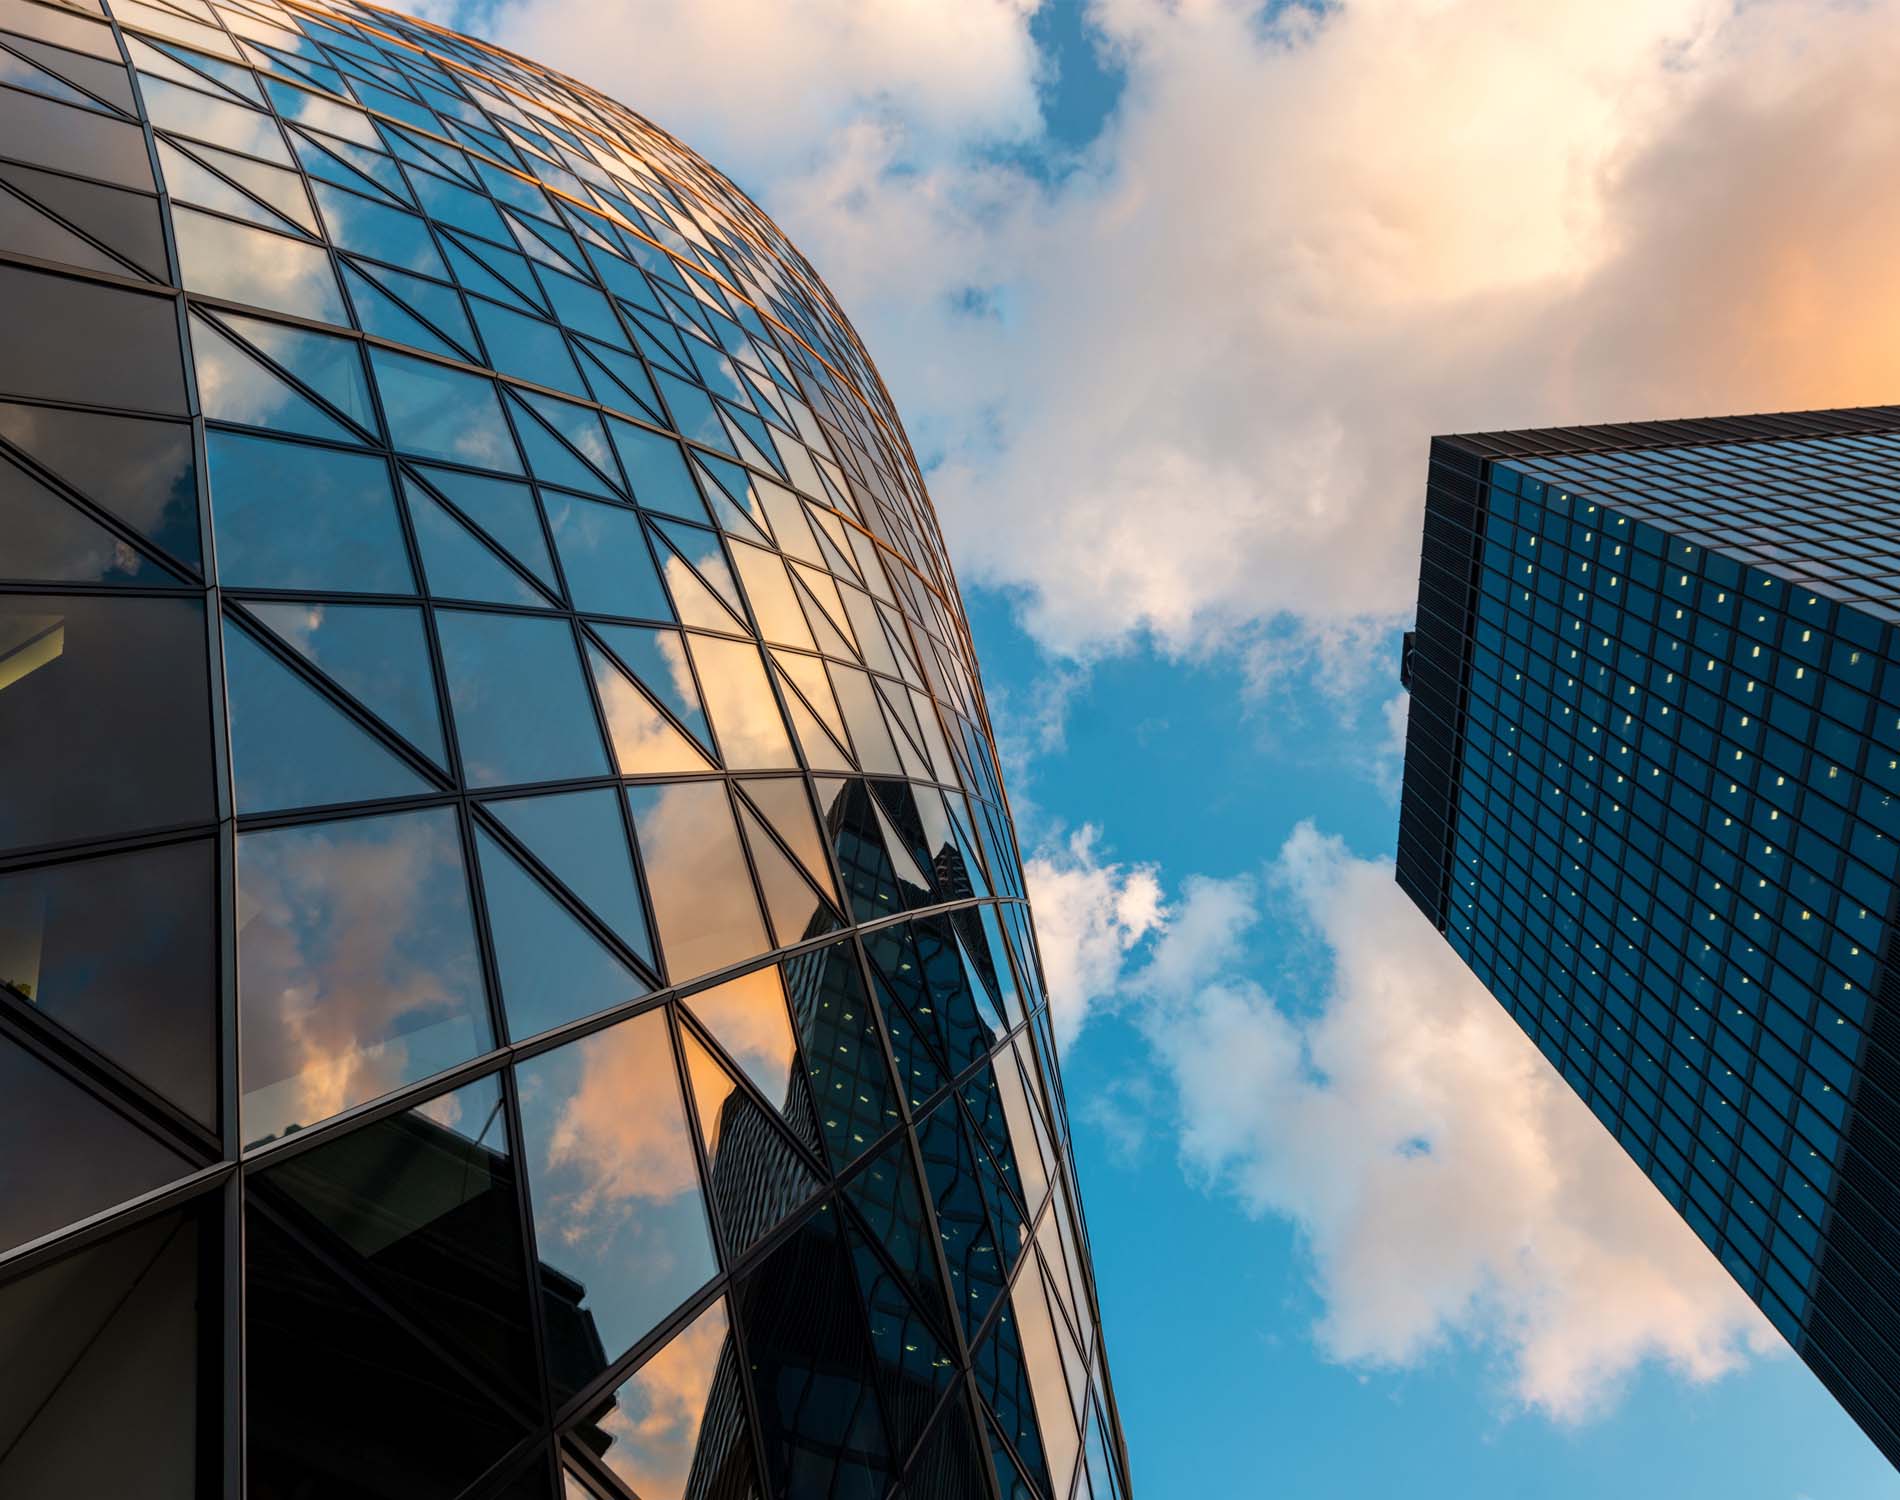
{"x":1652,"y":798}
{"x":514,"y":970}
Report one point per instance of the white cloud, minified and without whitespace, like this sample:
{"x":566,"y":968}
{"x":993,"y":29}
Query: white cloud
{"x":1198,"y":397}
{"x":1089,"y":914}
{"x":1448,"y":1185}
{"x":768,"y":88}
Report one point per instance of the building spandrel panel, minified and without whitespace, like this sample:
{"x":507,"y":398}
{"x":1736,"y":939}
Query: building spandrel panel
{"x":507,"y":906}
{"x":1652,"y":798}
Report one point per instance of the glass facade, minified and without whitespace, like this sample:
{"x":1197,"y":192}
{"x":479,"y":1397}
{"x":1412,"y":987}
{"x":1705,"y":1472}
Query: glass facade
{"x":1653,"y":800}
{"x":515,"y":978}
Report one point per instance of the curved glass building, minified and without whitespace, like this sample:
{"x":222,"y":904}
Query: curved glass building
{"x":514,"y":974}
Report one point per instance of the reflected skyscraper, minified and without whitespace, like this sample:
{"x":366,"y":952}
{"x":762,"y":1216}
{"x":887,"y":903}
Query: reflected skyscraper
{"x":1652,"y":798}
{"x":515,"y":978}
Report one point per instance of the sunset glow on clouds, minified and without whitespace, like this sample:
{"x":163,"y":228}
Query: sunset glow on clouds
{"x":1172,"y":390}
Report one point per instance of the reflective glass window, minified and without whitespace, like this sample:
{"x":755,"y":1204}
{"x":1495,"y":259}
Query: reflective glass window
{"x":77,"y":341}
{"x":239,"y":263}
{"x":421,"y":1207}
{"x":87,"y":1156}
{"x":47,"y":133}
{"x":115,"y":1328}
{"x":438,"y":412}
{"x":739,"y":701}
{"x":80,"y":680}
{"x":139,"y":470}
{"x":521,"y":707}
{"x":293,"y":516}
{"x":357,"y":968}
{"x":696,"y":873}
{"x":617,"y":1205}
{"x":677,"y":1424}
{"x":121,"y":951}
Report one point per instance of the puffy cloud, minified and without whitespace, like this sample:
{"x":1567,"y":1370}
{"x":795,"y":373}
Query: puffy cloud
{"x":766,"y":87}
{"x":1448,"y":1185}
{"x":1181,"y":384}
{"x":1089,"y":914}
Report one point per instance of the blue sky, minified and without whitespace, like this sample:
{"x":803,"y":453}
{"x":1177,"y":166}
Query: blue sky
{"x":1171,"y":297}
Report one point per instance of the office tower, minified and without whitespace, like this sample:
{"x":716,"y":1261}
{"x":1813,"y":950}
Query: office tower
{"x":1652,"y":797}
{"x":514,"y":974}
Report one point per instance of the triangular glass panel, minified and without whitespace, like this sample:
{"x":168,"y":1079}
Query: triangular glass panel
{"x":579,"y":836}
{"x":233,"y":80}
{"x":338,"y":1387}
{"x":887,"y":1195}
{"x":350,"y":167}
{"x":816,"y":1400}
{"x":845,"y":810}
{"x":655,"y":465}
{"x":476,"y":277}
{"x":291,"y":747}
{"x":537,"y":248}
{"x":140,"y":470}
{"x":234,"y":387}
{"x":376,"y":653}
{"x":1010,"y":1479}
{"x":618,"y":1213}
{"x":437,"y":303}
{"x":90,"y":1156}
{"x":507,"y":267}
{"x":796,"y":909}
{"x":552,"y":969}
{"x":381,"y":314}
{"x":125,"y":223}
{"x":50,"y":541}
{"x":704,"y":556}
{"x":835,"y":557}
{"x":550,"y":460}
{"x":330,"y":366}
{"x":580,"y":430}
{"x":850,"y":1078}
{"x":693,"y":602}
{"x":983,"y":1096}
{"x":951,"y":1461}
{"x":527,"y":348}
{"x":911,"y":878}
{"x":27,"y":231}
{"x":658,"y":659}
{"x":969,"y":1248}
{"x":830,"y":641}
{"x":694,"y":415}
{"x":102,"y":79}
{"x":421,"y":1208}
{"x":786,"y":808}
{"x":980,"y":993}
{"x":502,"y":508}
{"x":753,"y":430}
{"x":914,"y":1365}
{"x":278,"y":190}
{"x":732,"y":484}
{"x":1006,"y":1215}
{"x":458,"y":564}
{"x":676,"y":1429}
{"x":909,"y":1016}
{"x":20,"y":73}
{"x":758,"y":1178}
{"x":190,"y":181}
{"x":822,"y":751}
{"x":645,"y":741}
{"x":625,"y":381}
{"x":605,"y":555}
{"x":748,"y":1016}
{"x":745,"y":448}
